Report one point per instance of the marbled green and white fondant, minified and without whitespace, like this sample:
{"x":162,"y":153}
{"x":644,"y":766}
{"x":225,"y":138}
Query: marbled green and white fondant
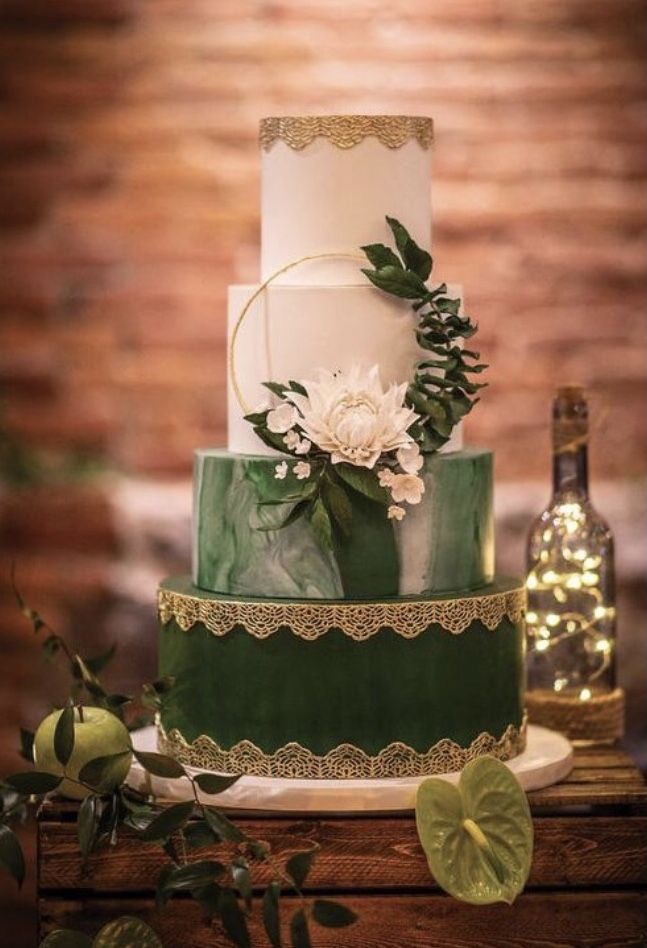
{"x":444,"y":543}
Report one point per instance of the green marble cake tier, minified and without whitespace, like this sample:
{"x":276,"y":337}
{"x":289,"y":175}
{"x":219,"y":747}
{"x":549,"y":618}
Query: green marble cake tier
{"x":444,"y":543}
{"x":292,"y":688}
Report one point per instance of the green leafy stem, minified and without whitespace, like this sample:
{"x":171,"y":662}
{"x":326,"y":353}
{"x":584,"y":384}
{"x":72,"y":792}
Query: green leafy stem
{"x":223,"y":887}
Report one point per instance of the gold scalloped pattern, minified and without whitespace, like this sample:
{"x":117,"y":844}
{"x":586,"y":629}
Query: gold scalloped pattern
{"x":359,"y":621}
{"x":346,"y":131}
{"x":345,"y":762}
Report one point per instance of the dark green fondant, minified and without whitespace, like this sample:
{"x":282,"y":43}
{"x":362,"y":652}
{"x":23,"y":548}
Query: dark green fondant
{"x":334,"y":689}
{"x":444,"y":543}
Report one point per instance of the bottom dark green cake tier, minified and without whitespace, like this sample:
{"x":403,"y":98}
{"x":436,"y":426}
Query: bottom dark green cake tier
{"x":291,"y":688}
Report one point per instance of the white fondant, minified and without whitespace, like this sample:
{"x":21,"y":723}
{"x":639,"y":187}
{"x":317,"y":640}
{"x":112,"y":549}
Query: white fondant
{"x":548,"y":758}
{"x":325,"y":199}
{"x":291,"y":331}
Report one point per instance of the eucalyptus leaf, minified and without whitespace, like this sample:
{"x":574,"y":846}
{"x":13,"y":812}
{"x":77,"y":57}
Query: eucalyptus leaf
{"x":87,"y":823}
{"x":192,"y":876}
{"x":97,"y":664}
{"x":169,"y":821}
{"x":271,"y":917}
{"x":11,"y":854}
{"x":91,"y":682}
{"x":34,"y":781}
{"x":233,"y":919}
{"x":66,"y":938}
{"x":478,"y":836}
{"x":223,"y":828}
{"x":64,"y":735}
{"x":215,"y":783}
{"x":126,"y":932}
{"x":199,"y":835}
{"x":332,"y":914}
{"x":364,"y":481}
{"x":299,"y":932}
{"x":298,"y":866}
{"x":102,"y":773}
{"x":159,"y":765}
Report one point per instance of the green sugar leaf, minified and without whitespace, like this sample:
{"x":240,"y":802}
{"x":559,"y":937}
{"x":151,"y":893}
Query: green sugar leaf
{"x":380,"y":256}
{"x":215,"y":783}
{"x":11,"y":855}
{"x":321,"y":525}
{"x":125,"y":932}
{"x":363,"y":481}
{"x":415,"y":258}
{"x":478,"y":836}
{"x":338,"y":505}
{"x":398,"y":282}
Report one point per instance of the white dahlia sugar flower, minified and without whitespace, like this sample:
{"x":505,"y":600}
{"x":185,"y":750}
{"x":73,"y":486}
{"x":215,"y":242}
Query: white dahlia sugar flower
{"x":395,"y":513}
{"x":410,"y":459}
{"x":407,"y":487}
{"x":302,"y":470}
{"x":281,"y":471}
{"x":349,"y":415}
{"x":281,"y":419}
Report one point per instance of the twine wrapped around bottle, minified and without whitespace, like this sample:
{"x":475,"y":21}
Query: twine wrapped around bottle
{"x":600,"y":719}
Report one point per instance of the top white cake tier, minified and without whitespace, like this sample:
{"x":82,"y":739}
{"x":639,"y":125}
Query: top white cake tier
{"x":327,"y":184}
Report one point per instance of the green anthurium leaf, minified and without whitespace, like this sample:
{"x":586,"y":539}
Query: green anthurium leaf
{"x":364,"y":481}
{"x":167,"y":822}
{"x":27,"y":745}
{"x":415,"y":258}
{"x":102,"y":773}
{"x":64,"y":735}
{"x":299,"y":932}
{"x":159,"y":765}
{"x":397,"y":282}
{"x":33,"y":781}
{"x":126,"y":932}
{"x":233,"y":919}
{"x":298,"y":866}
{"x":332,"y":914}
{"x":215,"y":783}
{"x":11,"y":855}
{"x":381,"y":256}
{"x":271,"y":917}
{"x":66,"y":938}
{"x":477,"y":836}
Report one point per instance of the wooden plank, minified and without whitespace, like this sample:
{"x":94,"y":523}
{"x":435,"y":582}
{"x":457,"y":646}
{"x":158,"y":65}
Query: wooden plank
{"x":362,"y":854}
{"x":628,"y":794}
{"x":550,"y":920}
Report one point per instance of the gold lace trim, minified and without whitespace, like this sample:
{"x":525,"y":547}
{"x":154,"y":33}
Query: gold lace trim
{"x":359,"y":621}
{"x":346,"y":131}
{"x":343,"y":762}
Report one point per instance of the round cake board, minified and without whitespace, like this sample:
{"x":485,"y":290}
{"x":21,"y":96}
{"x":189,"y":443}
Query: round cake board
{"x":548,"y":758}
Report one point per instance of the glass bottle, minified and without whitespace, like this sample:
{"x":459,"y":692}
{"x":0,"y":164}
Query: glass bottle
{"x":570,"y":580}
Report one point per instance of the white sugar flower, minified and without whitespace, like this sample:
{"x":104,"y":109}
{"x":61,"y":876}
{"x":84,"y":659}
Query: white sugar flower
{"x":407,"y":487}
{"x":410,"y":459}
{"x":395,"y":513}
{"x":303,"y":446}
{"x":292,"y":440}
{"x":302,"y":470}
{"x":385,"y":476}
{"x":281,"y":470}
{"x":281,"y":419}
{"x":350,"y":416}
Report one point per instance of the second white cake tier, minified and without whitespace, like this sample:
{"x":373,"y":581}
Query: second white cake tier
{"x":291,"y":331}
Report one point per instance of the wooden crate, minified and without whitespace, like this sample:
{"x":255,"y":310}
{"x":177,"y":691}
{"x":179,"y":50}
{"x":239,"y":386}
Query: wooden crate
{"x":588,"y":884}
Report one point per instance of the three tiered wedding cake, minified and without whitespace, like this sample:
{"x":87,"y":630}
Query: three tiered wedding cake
{"x":343,"y":618}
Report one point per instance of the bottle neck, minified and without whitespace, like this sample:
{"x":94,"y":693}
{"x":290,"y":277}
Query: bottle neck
{"x":571,"y":473}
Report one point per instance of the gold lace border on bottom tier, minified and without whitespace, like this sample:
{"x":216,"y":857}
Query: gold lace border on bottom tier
{"x":359,"y":621}
{"x":343,"y":762}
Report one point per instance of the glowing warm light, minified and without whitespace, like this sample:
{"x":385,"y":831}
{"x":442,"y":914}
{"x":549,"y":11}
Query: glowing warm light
{"x":585,"y":694}
{"x":552,"y":619}
{"x":574,"y":581}
{"x":531,"y":581}
{"x":591,"y":562}
{"x":544,"y":633}
{"x":599,"y":612}
{"x":547,"y":535}
{"x":603,"y":645}
{"x":531,"y":618}
{"x":590,"y":579}
{"x":579,"y":555}
{"x":559,"y":594}
{"x":542,"y":645}
{"x":550,"y":576}
{"x":571,"y":625}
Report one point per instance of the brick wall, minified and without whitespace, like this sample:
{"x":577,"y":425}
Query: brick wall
{"x":129,"y":200}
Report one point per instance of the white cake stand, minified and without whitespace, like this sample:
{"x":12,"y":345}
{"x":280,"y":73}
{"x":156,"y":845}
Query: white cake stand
{"x":548,"y":757}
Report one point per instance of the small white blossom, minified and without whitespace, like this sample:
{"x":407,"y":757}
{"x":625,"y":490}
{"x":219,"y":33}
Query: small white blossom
{"x":303,"y":446}
{"x":281,"y":470}
{"x":302,"y":470}
{"x":395,"y":513}
{"x":281,"y":419}
{"x":410,"y":459}
{"x":385,"y":476}
{"x":407,"y":487}
{"x":292,"y":440}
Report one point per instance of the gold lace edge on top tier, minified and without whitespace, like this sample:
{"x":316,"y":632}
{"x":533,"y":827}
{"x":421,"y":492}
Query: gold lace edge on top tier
{"x":346,"y":131}
{"x":343,"y":762}
{"x":359,"y":621}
